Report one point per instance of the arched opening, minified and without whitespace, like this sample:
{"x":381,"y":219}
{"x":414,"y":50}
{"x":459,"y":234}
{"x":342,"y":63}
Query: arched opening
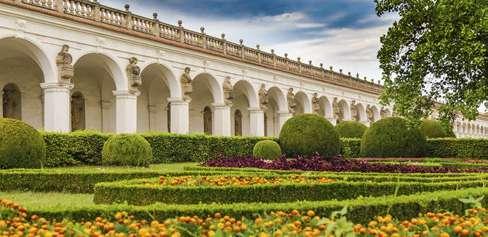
{"x":244,"y":99}
{"x":341,"y":111}
{"x":358,"y":113}
{"x":153,"y":110}
{"x":276,"y":104}
{"x":207,"y":120}
{"x":77,"y":111}
{"x":205,"y":91}
{"x":23,"y":66}
{"x":237,"y":123}
{"x":303,"y":103}
{"x":12,"y":102}
{"x":94,"y":78}
{"x":325,"y":108}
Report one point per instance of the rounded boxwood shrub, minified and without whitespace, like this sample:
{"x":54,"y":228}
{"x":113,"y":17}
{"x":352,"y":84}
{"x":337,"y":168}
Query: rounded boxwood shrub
{"x":127,"y":150}
{"x":392,"y":137}
{"x":21,"y":146}
{"x":307,"y":134}
{"x":350,"y":129}
{"x":433,"y":129}
{"x":267,"y":149}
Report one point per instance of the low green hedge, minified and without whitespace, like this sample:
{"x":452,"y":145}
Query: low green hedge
{"x":469,"y":148}
{"x":85,"y":147}
{"x":137,"y":192}
{"x":360,"y":210}
{"x":351,"y":147}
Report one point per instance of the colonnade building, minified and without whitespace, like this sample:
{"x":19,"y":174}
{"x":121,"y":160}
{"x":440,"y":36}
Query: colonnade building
{"x":75,"y":64}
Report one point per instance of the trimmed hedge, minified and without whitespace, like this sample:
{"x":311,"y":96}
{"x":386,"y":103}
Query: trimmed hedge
{"x":350,"y":129}
{"x":137,"y":192}
{"x":21,"y":145}
{"x":267,"y":149}
{"x":307,"y":134}
{"x":392,"y":137}
{"x":127,"y":150}
{"x":432,"y":129}
{"x":458,"y":148}
{"x":351,"y":147}
{"x":85,"y":147}
{"x":360,"y":210}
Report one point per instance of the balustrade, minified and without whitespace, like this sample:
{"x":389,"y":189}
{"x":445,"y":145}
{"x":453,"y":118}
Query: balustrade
{"x":91,"y":9}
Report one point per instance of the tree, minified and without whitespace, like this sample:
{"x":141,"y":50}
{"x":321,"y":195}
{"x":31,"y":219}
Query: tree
{"x":437,"y":51}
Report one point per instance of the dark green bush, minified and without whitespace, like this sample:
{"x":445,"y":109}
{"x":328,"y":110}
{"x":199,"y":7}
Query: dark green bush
{"x":433,"y":129}
{"x":350,"y":129}
{"x":392,"y":137}
{"x":267,"y":149}
{"x":307,"y":134}
{"x":469,"y":148}
{"x":351,"y":147}
{"x":21,"y":146}
{"x":127,"y":150}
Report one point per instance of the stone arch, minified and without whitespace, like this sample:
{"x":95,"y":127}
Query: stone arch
{"x":34,"y":50}
{"x":97,"y":76}
{"x":343,"y":111}
{"x":244,"y":100}
{"x":12,"y":101}
{"x":248,"y":90}
{"x":325,"y":107}
{"x":207,"y":92}
{"x":276,"y":105}
{"x":78,"y":114}
{"x":24,"y":63}
{"x":303,"y":103}
{"x":153,"y":108}
{"x":361,"y":111}
{"x":110,"y":64}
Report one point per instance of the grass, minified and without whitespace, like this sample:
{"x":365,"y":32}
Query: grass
{"x":34,"y":200}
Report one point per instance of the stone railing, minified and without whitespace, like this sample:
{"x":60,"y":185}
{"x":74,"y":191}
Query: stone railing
{"x":95,"y":12}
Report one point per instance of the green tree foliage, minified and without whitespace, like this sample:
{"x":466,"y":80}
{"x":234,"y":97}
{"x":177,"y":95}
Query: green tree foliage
{"x":434,"y":129}
{"x":436,"y":51}
{"x":307,"y":134}
{"x":267,"y":149}
{"x":350,"y":129}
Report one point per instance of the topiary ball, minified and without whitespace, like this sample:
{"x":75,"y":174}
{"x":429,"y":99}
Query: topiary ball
{"x":350,"y":129}
{"x":392,"y":137}
{"x":21,"y":146}
{"x":433,"y":129}
{"x":127,"y":150}
{"x":307,"y":134}
{"x":267,"y":149}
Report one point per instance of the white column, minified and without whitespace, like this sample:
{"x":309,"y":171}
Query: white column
{"x":180,"y":116}
{"x":283,"y":116}
{"x":57,"y":106}
{"x":256,"y":122}
{"x":125,"y":111}
{"x":221,"y":120}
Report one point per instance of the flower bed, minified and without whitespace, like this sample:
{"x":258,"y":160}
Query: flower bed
{"x":237,"y":180}
{"x":266,"y":188}
{"x":336,"y":164}
{"x":278,"y":223}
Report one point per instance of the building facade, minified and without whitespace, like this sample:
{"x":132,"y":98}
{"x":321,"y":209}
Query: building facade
{"x":75,"y":64}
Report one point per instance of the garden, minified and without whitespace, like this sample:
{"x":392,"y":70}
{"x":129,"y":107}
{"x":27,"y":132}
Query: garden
{"x":315,"y":179}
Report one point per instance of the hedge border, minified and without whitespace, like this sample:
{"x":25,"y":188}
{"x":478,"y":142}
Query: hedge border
{"x":136,"y":192}
{"x":361,"y":210}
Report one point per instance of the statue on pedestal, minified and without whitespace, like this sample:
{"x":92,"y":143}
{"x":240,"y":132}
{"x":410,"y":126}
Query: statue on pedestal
{"x":185,"y":81}
{"x":263,"y":97}
{"x":134,"y":74}
{"x":291,"y":101}
{"x":227,"y":86}
{"x":64,"y":61}
{"x":315,"y":103}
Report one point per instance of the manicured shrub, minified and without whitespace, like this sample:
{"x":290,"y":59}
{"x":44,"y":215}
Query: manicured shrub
{"x":307,"y":134}
{"x":469,"y":148}
{"x":433,"y":129}
{"x":351,"y":147}
{"x":127,"y":150}
{"x":267,"y":149}
{"x":350,"y":129}
{"x":21,"y":146}
{"x":392,"y":137}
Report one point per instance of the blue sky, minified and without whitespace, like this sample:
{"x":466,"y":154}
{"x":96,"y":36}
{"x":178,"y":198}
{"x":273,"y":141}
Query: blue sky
{"x":339,"y":33}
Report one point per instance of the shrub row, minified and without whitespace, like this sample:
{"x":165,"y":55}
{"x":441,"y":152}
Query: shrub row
{"x":359,"y":210}
{"x":458,"y":148}
{"x":138,"y":192}
{"x":72,"y":181}
{"x":85,"y":147}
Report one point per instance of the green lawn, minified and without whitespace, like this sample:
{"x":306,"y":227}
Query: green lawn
{"x":34,"y":200}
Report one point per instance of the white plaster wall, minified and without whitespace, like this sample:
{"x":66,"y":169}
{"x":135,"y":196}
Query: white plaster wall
{"x":27,"y":76}
{"x":240,"y":103}
{"x":152,"y":104}
{"x":201,"y":97}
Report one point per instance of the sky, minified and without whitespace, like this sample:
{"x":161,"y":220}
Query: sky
{"x":340,"y":33}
